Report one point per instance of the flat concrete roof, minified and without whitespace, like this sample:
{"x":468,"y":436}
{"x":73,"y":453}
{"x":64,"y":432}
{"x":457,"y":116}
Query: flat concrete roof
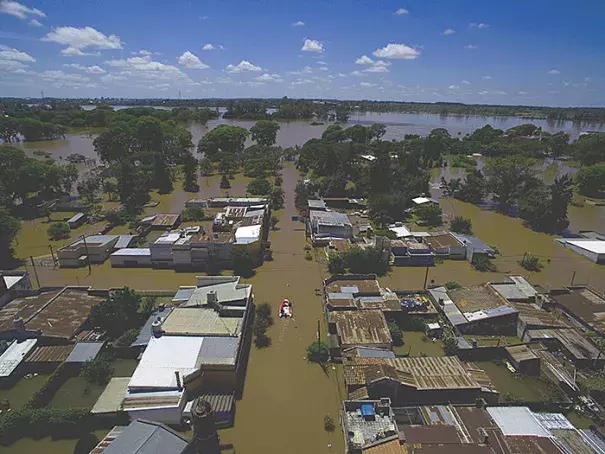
{"x":112,"y":396}
{"x":200,"y":322}
{"x":596,"y":246}
{"x":476,"y":298}
{"x":441,"y":240}
{"x":332,"y":218}
{"x":355,"y":286}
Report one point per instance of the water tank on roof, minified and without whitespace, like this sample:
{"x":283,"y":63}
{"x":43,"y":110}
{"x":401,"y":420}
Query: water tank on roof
{"x":156,"y":328}
{"x":212,"y":298}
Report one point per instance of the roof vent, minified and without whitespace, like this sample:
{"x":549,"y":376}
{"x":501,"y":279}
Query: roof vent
{"x":156,"y":328}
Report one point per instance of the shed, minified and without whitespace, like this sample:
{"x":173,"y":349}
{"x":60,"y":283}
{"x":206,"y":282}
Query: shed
{"x":422,"y":200}
{"x":84,"y":351}
{"x":131,"y":257}
{"x":524,"y":360}
{"x":76,"y":220}
{"x":319,"y":205}
{"x":47,"y":358}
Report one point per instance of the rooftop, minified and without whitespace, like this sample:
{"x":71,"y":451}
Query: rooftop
{"x":338,"y":245}
{"x":515,"y":288}
{"x":578,"y":346}
{"x":162,"y":219}
{"x":517,"y":421}
{"x":14,"y":355}
{"x":440,"y":240}
{"x":422,"y":200}
{"x":521,"y":353}
{"x":24,"y":307}
{"x":84,"y":351}
{"x":112,"y":396}
{"x":368,"y":422}
{"x":247,"y":234}
{"x":132,"y":252}
{"x":145,"y":333}
{"x":476,"y":298}
{"x":12,"y":277}
{"x":316,"y":204}
{"x":361,"y":327}
{"x":401,"y":231}
{"x":50,"y":354}
{"x":446,"y":372}
{"x":141,"y":437}
{"x":596,"y":246}
{"x":101,"y":241}
{"x":332,"y":218}
{"x":199,"y":321}
{"x":533,"y":315}
{"x":357,"y":286}
{"x":584,"y":303}
{"x":473,"y":242}
{"x":226,"y":288}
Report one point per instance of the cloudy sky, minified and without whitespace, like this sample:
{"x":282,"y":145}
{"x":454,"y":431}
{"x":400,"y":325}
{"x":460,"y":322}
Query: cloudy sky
{"x":475,"y":51}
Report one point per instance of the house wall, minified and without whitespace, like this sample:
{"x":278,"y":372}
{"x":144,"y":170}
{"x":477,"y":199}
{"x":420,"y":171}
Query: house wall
{"x":166,"y":415}
{"x":161,"y":254}
{"x":345,"y":231}
{"x":130,"y":260}
{"x":402,"y":395}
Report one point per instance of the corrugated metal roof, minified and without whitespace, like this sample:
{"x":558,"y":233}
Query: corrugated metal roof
{"x":84,"y":351}
{"x":374,"y":353}
{"x":517,"y":421}
{"x":146,"y":437}
{"x":554,"y":421}
{"x":76,"y":217}
{"x":219,"y":402}
{"x":14,"y":355}
{"x":132,"y":252}
{"x":50,"y":354}
{"x":361,"y":327}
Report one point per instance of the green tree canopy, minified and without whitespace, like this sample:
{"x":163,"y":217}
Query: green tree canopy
{"x":430,"y":213}
{"x":225,"y":138}
{"x":259,"y":186}
{"x":117,"y":313}
{"x":58,"y":231}
{"x":265,"y":132}
{"x":591,"y":180}
{"x":9,"y":228}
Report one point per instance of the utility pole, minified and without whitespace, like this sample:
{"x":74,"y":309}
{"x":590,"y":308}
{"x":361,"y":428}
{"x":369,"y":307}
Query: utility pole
{"x":50,"y":246}
{"x":87,"y":256}
{"x":426,"y":277}
{"x":573,"y":276}
{"x":31,"y":257}
{"x":318,"y":333}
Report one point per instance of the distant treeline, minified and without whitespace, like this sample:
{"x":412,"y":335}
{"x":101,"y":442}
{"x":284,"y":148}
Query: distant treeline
{"x":50,"y":121}
{"x":305,"y":108}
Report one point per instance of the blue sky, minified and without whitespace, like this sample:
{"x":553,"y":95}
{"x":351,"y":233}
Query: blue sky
{"x":475,"y":51}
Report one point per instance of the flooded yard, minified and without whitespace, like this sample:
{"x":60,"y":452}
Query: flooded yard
{"x":23,"y":390}
{"x":417,"y":344}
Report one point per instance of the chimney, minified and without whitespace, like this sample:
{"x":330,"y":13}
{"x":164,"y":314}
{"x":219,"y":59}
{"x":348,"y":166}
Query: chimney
{"x":212,"y":298}
{"x":178,"y":380}
{"x":18,"y":325}
{"x":156,"y":328}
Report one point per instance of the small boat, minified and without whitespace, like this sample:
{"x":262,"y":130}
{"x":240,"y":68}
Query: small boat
{"x":285,"y":308}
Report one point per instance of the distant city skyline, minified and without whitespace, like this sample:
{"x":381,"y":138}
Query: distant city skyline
{"x":527,"y":53}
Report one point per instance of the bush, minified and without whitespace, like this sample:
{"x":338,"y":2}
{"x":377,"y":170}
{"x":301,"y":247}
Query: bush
{"x":450,"y":344}
{"x":430,"y":213}
{"x":329,"y":425}
{"x":531,"y":263}
{"x":259,"y":186}
{"x":126,"y":339}
{"x":464,"y":162}
{"x":274,"y":222}
{"x":259,"y":329}
{"x":366,"y":261}
{"x":396,"y":333}
{"x":98,"y":370}
{"x":336,"y":263}
{"x":318,"y":352}
{"x":58,"y":231}
{"x":225,"y":183}
{"x":263,"y":312}
{"x":483,"y":263}
{"x":461,"y":225}
{"x":193,"y":214}
{"x":452,"y":285}
{"x":308,"y":256}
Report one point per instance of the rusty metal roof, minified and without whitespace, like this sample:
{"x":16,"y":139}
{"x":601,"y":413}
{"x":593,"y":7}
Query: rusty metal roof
{"x":166,"y":219}
{"x":23,"y":307}
{"x":389,"y":447}
{"x":361,"y":327}
{"x":421,"y":373}
{"x":50,"y":354}
{"x":476,"y":298}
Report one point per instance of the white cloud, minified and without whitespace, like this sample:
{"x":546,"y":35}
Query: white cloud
{"x":449,"y":31}
{"x":78,"y":39}
{"x":60,"y":76}
{"x":301,"y":82}
{"x":89,"y":69}
{"x":587,"y":79}
{"x":73,"y":52}
{"x":8,"y":53}
{"x":393,"y":50}
{"x":454,"y":87}
{"x":478,"y":25}
{"x":18,"y":10}
{"x":554,"y":71}
{"x":145,"y":52}
{"x":401,"y":11}
{"x":210,"y":46}
{"x":487,"y":77}
{"x":145,"y":68}
{"x":466,"y":82}
{"x":192,"y":61}
{"x":307,"y":70}
{"x":323,"y":68}
{"x":35,"y":23}
{"x":357,"y":73}
{"x":298,"y":24}
{"x":269,"y":78}
{"x":366,"y":84}
{"x":471,"y":47}
{"x":364,"y":60}
{"x":12,"y":66}
{"x":554,"y":92}
{"x":379,"y":66}
{"x":522,"y":93}
{"x":109,"y":78}
{"x":484,"y":92}
{"x":312,"y":45}
{"x":321,"y":62}
{"x":243,"y":66}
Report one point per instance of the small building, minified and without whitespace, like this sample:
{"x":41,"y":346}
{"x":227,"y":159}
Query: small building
{"x":325,"y":225}
{"x":143,"y":437}
{"x":476,"y":310}
{"x":77,"y":220}
{"x":424,"y":200}
{"x":53,"y":315}
{"x":366,"y":328}
{"x":524,"y":360}
{"x":131,"y":257}
{"x":400,"y":230}
{"x":445,"y":245}
{"x":162,"y":221}
{"x":434,"y":330}
{"x":12,"y":358}
{"x":533,"y":317}
{"x":93,"y":249}
{"x":84,"y":351}
{"x":589,"y":244}
{"x":417,"y":380}
{"x":221,"y":202}
{"x":515,"y":288}
{"x":474,"y":246}
{"x":574,"y":346}
{"x":11,"y":282}
{"x":410,"y":252}
{"x":369,"y":424}
{"x":316,"y":205}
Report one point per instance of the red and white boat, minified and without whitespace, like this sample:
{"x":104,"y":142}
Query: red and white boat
{"x":285,"y":308}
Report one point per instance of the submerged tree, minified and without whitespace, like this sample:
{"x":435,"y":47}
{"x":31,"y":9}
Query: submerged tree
{"x":265,"y":132}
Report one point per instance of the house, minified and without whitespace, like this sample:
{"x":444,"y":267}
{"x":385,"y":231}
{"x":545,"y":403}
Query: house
{"x":424,"y":200}
{"x":221,"y":202}
{"x":445,"y":245}
{"x":143,"y":437}
{"x":162,"y":221}
{"x":93,"y":249}
{"x":524,"y":360}
{"x":47,"y":358}
{"x":582,"y":303}
{"x":55,"y":316}
{"x":366,"y":328}
{"x":11,"y":282}
{"x":359,"y":291}
{"x":574,"y":346}
{"x":368,"y":424}
{"x":417,"y":380}
{"x":410,"y":252}
{"x":589,"y":244}
{"x":76,"y":220}
{"x":324,"y":225}
{"x":131,"y":257}
{"x":515,"y":288}
{"x":476,"y":310}
{"x":474,"y":246}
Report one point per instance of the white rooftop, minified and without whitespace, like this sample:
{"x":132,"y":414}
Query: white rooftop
{"x":247,"y":234}
{"x":517,"y":421}
{"x":14,"y":354}
{"x":10,"y":281}
{"x":421,"y":200}
{"x":168,"y":238}
{"x":401,"y":232}
{"x":132,"y":251}
{"x":368,"y":157}
{"x":595,"y":246}
{"x":162,"y":358}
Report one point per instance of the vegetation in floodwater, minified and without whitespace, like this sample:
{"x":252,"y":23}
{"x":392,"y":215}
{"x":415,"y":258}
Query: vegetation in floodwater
{"x":452,"y":285}
{"x":531,"y":262}
{"x":318,"y":352}
{"x":461,"y":224}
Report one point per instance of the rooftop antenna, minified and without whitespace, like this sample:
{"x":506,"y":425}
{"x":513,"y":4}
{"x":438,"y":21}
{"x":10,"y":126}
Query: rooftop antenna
{"x":42,"y":94}
{"x":179,"y":94}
